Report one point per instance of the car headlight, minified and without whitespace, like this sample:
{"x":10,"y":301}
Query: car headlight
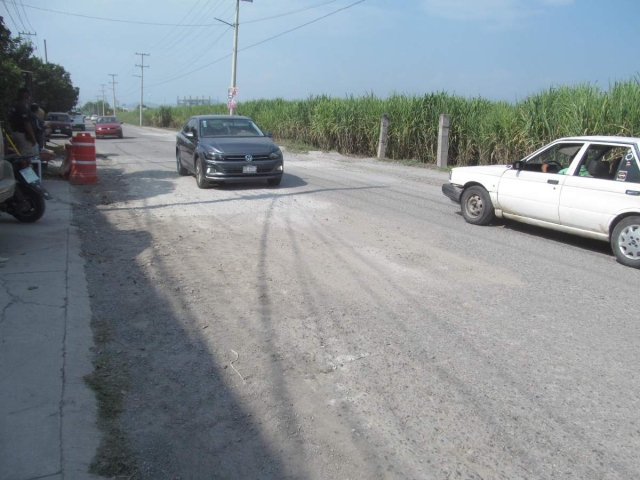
{"x":213,"y":155}
{"x":275,"y":154}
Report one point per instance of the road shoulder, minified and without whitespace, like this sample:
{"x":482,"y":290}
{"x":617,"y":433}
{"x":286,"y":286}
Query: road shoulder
{"x":47,"y":412}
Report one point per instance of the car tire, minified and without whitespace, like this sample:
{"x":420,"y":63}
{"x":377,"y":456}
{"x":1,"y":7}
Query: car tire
{"x":274,"y":182}
{"x":69,"y":135}
{"x":82,"y":128}
{"x":201,"y":181}
{"x":120,"y":136}
{"x":625,"y":241}
{"x":180,"y":169}
{"x":477,"y":208}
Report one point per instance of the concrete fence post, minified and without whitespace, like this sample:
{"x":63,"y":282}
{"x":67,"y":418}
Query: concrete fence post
{"x":443,"y":141}
{"x":384,"y":132}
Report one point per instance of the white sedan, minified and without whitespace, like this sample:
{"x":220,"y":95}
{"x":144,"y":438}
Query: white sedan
{"x":588,"y":186}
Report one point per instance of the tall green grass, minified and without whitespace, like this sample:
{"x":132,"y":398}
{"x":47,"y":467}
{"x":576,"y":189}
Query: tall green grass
{"x":482,"y":131}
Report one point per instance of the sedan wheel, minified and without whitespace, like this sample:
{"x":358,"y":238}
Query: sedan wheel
{"x":477,"y":208}
{"x":181,"y":170}
{"x":200,"y":178}
{"x":625,"y":242}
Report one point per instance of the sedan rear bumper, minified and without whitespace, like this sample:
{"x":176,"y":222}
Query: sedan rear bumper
{"x":452,"y":192}
{"x":108,"y":133}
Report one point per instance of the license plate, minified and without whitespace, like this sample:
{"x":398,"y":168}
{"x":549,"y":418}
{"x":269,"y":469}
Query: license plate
{"x":250,"y":169}
{"x":29,"y":175}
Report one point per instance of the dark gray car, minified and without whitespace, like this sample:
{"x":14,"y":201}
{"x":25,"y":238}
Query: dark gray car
{"x":225,"y":148}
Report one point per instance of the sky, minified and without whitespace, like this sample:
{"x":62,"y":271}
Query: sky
{"x":498,"y":49}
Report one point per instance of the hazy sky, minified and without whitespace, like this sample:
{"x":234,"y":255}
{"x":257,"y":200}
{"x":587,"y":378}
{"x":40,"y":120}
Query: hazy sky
{"x":501,"y":49}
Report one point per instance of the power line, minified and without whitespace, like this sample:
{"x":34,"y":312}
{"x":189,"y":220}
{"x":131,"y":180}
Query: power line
{"x":15,"y":7}
{"x":184,"y":38}
{"x":26,"y":16}
{"x":135,"y":22}
{"x":258,"y":43}
{"x":15,"y":25}
{"x":204,"y":50}
{"x":157,"y":45}
{"x":290,"y":13}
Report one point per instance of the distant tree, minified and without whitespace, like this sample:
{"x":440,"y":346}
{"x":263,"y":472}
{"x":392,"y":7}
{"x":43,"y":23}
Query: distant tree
{"x":10,"y":77}
{"x":96,"y":107}
{"x":52,"y":87}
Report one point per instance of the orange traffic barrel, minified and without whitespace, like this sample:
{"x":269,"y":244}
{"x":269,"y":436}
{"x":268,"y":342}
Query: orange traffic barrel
{"x":83,"y":160}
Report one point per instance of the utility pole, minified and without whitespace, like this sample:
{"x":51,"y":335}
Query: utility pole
{"x":234,"y":61}
{"x":103,"y":100}
{"x":234,"y":64}
{"x":28,"y":34}
{"x":46,"y":57}
{"x":113,"y":87}
{"x":142,"y":67}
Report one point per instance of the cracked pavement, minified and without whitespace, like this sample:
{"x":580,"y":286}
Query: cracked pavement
{"x":47,"y":414}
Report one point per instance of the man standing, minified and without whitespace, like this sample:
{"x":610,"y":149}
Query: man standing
{"x":20,"y":123}
{"x":37,"y":125}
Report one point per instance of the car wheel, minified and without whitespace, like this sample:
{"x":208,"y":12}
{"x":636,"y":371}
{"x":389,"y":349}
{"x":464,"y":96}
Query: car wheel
{"x":200,"y":178}
{"x":625,"y":242}
{"x":274,"y":182}
{"x":477,"y":208}
{"x":181,"y":170}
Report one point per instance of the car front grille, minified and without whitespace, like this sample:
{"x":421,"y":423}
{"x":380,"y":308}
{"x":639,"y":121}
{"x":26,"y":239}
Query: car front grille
{"x":241,"y":158}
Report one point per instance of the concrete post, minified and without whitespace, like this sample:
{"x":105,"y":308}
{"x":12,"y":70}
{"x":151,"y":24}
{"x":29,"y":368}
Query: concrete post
{"x":384,"y":132}
{"x":443,"y":141}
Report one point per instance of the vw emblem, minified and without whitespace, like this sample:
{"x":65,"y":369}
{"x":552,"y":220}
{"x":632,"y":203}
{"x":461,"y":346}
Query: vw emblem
{"x":249,"y":158}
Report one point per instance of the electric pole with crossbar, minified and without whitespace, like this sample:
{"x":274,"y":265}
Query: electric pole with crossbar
{"x":142,"y":67}
{"x":113,"y":87}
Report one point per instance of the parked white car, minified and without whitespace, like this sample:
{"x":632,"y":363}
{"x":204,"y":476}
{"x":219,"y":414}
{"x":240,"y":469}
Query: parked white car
{"x":77,"y":121}
{"x":587,"y":186}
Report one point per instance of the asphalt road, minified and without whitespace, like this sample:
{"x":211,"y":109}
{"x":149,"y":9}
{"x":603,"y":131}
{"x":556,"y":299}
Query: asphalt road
{"x":377,"y":334}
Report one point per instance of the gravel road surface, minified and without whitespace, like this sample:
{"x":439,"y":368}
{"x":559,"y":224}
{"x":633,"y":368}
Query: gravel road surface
{"x":350,"y":325}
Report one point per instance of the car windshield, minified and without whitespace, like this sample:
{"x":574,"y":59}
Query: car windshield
{"x":58,"y":118}
{"x":107,"y":120}
{"x":214,"y":127}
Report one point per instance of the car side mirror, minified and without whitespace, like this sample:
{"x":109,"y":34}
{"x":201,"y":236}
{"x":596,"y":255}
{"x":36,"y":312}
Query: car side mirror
{"x":519,"y":165}
{"x":121,"y":123}
{"x":270,"y":134}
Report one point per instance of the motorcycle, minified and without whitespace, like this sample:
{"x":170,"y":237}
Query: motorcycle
{"x":28,"y":201}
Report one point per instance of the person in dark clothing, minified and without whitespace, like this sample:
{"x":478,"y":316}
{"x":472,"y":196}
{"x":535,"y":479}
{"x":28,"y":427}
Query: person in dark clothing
{"x":20,"y":123}
{"x":37,"y":125}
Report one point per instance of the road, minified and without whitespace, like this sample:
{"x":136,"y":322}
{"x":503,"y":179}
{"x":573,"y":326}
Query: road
{"x":351,"y":325}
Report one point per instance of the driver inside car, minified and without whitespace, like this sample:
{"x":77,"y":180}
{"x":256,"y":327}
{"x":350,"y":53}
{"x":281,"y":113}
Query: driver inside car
{"x":582,"y":173}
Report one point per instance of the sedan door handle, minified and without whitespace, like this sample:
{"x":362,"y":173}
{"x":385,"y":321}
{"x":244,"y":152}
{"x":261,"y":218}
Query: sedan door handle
{"x":635,"y":193}
{"x":553,"y":182}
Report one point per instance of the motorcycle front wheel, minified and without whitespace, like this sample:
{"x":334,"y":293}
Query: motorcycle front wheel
{"x":30,"y":208}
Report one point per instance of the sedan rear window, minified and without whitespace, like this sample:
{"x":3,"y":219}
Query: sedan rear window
{"x":229,"y":128}
{"x":59,"y":118}
{"x":107,"y":120}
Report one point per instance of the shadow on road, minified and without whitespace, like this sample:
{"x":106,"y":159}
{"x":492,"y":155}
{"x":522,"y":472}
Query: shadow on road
{"x":179,"y":415}
{"x":589,"y":244}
